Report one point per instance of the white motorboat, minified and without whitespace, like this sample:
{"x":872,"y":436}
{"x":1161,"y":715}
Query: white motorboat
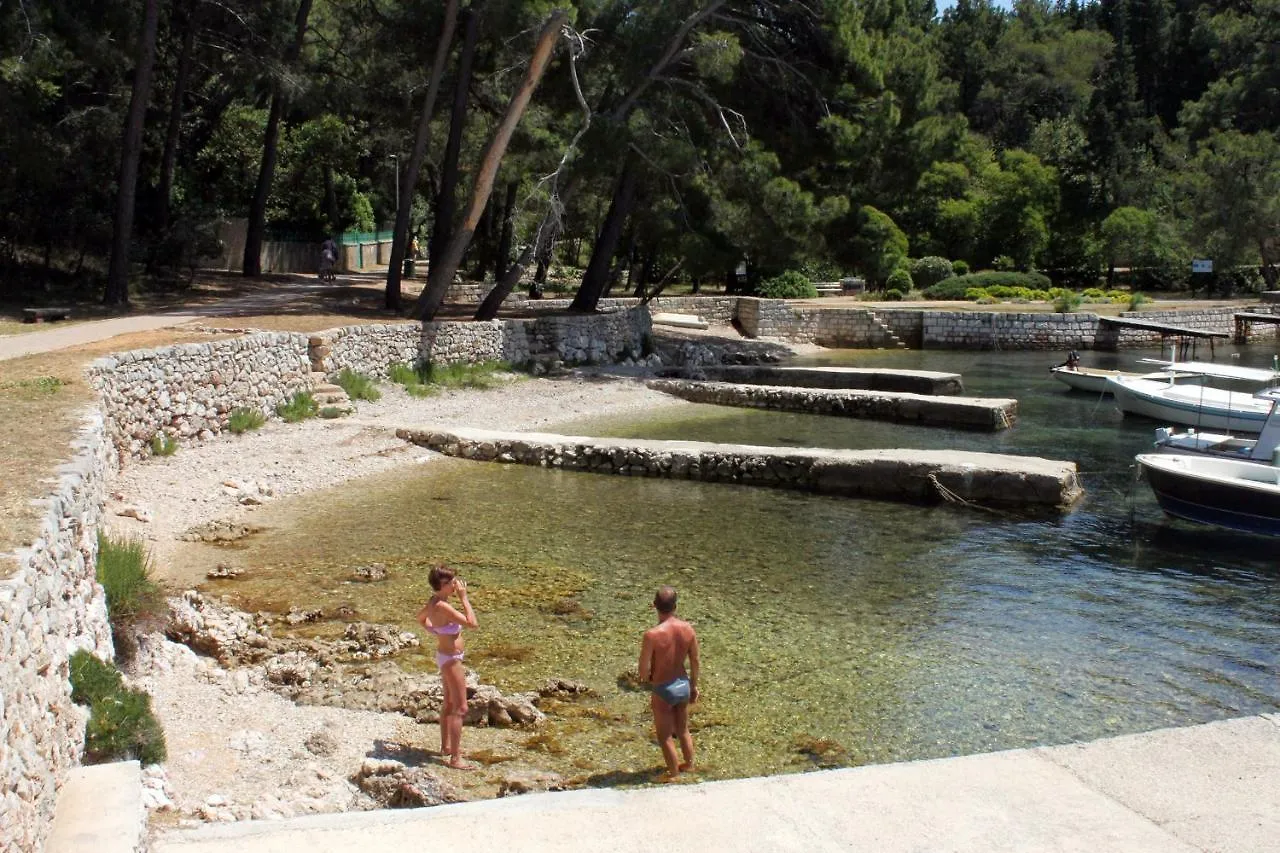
{"x":1202,"y":406}
{"x":1264,"y":449}
{"x":1091,"y":379}
{"x":1223,"y":492}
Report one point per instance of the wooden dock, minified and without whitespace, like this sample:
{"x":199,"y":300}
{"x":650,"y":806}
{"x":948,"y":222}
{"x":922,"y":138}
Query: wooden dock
{"x":1246,"y":319}
{"x":1186,"y":336}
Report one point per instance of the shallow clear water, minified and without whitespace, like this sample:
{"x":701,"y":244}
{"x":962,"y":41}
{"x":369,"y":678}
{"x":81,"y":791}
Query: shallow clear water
{"x":858,"y":631}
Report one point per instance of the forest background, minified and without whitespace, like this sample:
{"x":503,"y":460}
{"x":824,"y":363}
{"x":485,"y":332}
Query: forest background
{"x":660,"y":138}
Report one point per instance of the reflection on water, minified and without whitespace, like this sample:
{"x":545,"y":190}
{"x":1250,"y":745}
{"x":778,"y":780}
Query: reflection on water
{"x":894,"y":632}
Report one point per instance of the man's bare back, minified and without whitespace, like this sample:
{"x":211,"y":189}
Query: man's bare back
{"x":669,"y":645}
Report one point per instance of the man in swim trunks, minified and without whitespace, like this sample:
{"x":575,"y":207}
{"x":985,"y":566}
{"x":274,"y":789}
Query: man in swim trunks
{"x":662,"y":656}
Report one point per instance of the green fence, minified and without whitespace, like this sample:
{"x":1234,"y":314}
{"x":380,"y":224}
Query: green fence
{"x":350,"y":238}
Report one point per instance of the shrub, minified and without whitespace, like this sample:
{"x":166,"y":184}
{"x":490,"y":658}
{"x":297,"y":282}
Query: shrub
{"x":792,"y":284}
{"x":133,"y":598}
{"x":1117,"y":294}
{"x":242,"y":420}
{"x":1065,"y":303}
{"x":1004,"y":263}
{"x":1137,"y":300}
{"x":960,"y":267}
{"x":928,"y":271}
{"x":893,"y":294}
{"x":1094,"y":294}
{"x":121,"y":724}
{"x":163,"y":445}
{"x":299,"y":407}
{"x":331,"y":412}
{"x":957,"y":286}
{"x":478,"y":375}
{"x":899,"y":280}
{"x":358,"y":386}
{"x":977,"y":294}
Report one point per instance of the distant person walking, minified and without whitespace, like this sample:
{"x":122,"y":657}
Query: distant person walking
{"x":440,"y":618}
{"x":662,"y":657}
{"x":328,"y":257}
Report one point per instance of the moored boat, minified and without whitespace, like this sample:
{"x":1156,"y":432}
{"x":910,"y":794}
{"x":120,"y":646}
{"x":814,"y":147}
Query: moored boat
{"x":1091,"y":379}
{"x":1264,"y":449}
{"x":1198,"y":405}
{"x":1239,"y":495}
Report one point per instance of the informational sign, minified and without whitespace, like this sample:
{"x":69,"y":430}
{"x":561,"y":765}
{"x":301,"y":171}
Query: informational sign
{"x":1201,"y":266}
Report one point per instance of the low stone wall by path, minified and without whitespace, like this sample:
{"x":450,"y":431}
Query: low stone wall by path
{"x":957,"y":412}
{"x":190,"y":390}
{"x":917,"y":476}
{"x":848,"y":378}
{"x":50,"y":606}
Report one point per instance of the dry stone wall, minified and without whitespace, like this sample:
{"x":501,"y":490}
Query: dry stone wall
{"x":998,"y":330}
{"x":189,"y":390}
{"x":49,"y":607}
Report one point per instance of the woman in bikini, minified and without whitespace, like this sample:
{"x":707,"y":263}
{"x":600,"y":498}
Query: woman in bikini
{"x":443,"y":620}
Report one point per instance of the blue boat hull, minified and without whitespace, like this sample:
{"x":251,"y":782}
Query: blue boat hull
{"x":1213,"y":503}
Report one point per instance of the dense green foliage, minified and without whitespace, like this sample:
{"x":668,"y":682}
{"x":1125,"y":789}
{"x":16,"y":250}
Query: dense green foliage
{"x":957,"y":287}
{"x":358,"y":386}
{"x":1117,"y":137}
{"x":124,"y":570}
{"x":791,"y":284}
{"x":297,"y":408}
{"x":121,"y":724}
{"x":243,"y":419}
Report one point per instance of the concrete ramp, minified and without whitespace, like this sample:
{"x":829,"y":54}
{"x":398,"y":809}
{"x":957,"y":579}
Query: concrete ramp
{"x":1210,"y":787}
{"x":917,"y":476}
{"x":679,"y":321}
{"x":977,"y":413}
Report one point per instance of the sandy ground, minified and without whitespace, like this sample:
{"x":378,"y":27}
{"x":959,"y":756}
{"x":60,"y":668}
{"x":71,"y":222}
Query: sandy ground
{"x":237,"y":750}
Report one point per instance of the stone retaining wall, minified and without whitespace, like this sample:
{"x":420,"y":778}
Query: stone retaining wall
{"x":998,"y":330}
{"x":49,"y":607}
{"x":921,"y":476}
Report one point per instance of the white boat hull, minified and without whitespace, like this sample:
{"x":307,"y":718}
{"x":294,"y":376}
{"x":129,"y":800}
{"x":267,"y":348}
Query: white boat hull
{"x":1238,"y":495}
{"x":1088,"y":379}
{"x":1199,"y":406}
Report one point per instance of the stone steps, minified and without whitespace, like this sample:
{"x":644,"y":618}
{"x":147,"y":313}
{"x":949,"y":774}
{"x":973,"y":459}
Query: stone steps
{"x":328,"y":395}
{"x":894,"y":341}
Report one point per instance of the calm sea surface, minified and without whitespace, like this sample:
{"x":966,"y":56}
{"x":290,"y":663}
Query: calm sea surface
{"x":834,"y":631}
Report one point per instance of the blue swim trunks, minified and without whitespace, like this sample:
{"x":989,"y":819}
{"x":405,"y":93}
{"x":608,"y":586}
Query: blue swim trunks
{"x":674,"y":692}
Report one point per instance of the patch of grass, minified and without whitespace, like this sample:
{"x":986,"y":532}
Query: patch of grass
{"x":331,"y":412}
{"x":411,"y":380}
{"x":242,"y":420}
{"x":479,"y":375}
{"x":121,"y":723}
{"x":40,"y":386}
{"x":358,"y":386}
{"x":163,"y":445}
{"x":124,"y":570}
{"x":1066,"y":303}
{"x":299,"y":407}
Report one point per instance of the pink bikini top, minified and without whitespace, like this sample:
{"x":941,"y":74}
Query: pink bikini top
{"x":447,"y":630}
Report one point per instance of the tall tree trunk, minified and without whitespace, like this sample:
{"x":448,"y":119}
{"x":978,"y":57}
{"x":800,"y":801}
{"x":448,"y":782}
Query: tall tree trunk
{"x":503,"y":256}
{"x":597,"y":274}
{"x":252,"y":266}
{"x":447,"y":198}
{"x":484,"y":246}
{"x":442,"y":269}
{"x":117,"y":291}
{"x":331,"y":202}
{"x":409,"y":178}
{"x":505,"y":284}
{"x":168,"y":161}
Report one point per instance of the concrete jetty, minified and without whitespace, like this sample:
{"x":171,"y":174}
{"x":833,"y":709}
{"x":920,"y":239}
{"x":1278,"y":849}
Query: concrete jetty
{"x":917,"y":476}
{"x":835,"y":378}
{"x":976,"y":413}
{"x":1209,"y":787}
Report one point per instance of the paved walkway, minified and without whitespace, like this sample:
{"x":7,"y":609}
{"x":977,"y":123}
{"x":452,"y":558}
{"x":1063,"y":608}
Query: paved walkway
{"x":58,"y":337}
{"x":1211,"y":787}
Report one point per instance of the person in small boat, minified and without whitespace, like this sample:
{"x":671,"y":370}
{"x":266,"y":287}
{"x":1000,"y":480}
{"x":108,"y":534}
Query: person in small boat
{"x":1072,"y":362}
{"x":441,"y":619}
{"x":662,"y":655}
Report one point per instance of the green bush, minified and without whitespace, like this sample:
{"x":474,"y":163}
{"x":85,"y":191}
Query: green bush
{"x":899,"y":280}
{"x":242,"y":420}
{"x":1117,"y":294}
{"x":1094,"y":294}
{"x":299,"y":407}
{"x":358,"y":386}
{"x":410,"y":379}
{"x":928,"y":271}
{"x":957,"y":286}
{"x":960,"y":267}
{"x":976,"y":294}
{"x":163,"y":445}
{"x":894,"y":295}
{"x":792,"y":284}
{"x":1137,"y":300}
{"x":1065,"y":303}
{"x":1004,"y":263}
{"x":331,"y":412}
{"x":124,"y":570}
{"x":121,"y":724}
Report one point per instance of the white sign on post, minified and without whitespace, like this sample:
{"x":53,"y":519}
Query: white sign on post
{"x":1201,"y":266}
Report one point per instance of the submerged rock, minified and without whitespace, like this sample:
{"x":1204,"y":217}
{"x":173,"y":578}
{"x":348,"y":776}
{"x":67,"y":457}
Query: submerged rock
{"x":394,"y":785}
{"x":221,"y":530}
{"x":529,"y":782}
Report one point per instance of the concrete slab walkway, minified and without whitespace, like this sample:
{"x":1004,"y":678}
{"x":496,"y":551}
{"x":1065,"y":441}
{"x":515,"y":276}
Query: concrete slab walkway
{"x":1210,"y":787}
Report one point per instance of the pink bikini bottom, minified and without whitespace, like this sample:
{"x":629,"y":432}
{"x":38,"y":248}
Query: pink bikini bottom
{"x":443,"y":658}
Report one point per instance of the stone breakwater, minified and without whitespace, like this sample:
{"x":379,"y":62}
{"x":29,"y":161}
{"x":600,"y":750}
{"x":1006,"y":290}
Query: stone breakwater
{"x":960,"y":412}
{"x":916,"y":476}
{"x":50,"y":605}
{"x":838,"y":378}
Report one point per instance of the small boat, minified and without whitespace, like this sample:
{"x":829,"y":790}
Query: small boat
{"x":1202,"y":406}
{"x":1091,"y":379}
{"x":1224,"y":492}
{"x":1265,"y":449}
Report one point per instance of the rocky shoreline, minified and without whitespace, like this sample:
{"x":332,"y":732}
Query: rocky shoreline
{"x":263,"y":727}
